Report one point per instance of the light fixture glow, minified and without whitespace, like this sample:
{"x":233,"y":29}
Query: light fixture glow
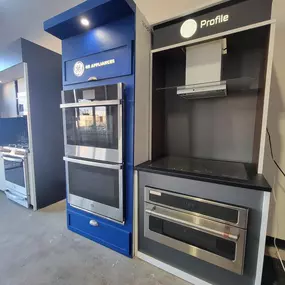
{"x":84,"y":22}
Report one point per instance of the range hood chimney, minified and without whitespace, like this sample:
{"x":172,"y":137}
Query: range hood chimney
{"x":203,"y":71}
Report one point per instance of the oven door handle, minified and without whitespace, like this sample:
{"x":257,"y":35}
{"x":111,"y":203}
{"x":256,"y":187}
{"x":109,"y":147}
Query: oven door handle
{"x":95,"y":164}
{"x":201,"y":228}
{"x":91,"y":104}
{"x":12,"y":159}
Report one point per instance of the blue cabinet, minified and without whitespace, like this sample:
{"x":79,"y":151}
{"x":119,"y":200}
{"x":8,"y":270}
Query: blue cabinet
{"x":99,"y":231}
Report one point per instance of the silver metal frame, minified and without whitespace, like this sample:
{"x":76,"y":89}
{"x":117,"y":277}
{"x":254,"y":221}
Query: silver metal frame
{"x":116,"y":214}
{"x":234,"y":234}
{"x":96,"y":153}
{"x":18,"y":193}
{"x":242,"y":212}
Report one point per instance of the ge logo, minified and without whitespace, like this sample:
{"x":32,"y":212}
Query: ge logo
{"x":188,"y":28}
{"x":78,"y":68}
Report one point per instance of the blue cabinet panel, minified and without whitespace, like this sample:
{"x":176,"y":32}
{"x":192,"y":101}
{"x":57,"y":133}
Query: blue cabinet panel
{"x":104,"y":234}
{"x":108,"y":64}
{"x":107,"y":37}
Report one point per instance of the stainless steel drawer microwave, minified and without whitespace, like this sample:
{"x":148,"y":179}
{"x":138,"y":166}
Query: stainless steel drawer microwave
{"x":93,"y":122}
{"x":211,"y":231}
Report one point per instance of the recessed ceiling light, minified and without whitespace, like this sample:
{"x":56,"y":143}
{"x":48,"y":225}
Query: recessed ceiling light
{"x":84,"y":22}
{"x":0,"y":81}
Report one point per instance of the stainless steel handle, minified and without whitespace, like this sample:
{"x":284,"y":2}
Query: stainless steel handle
{"x":91,"y":163}
{"x":12,"y":159}
{"x":201,"y":228}
{"x":91,"y":104}
{"x":93,"y":223}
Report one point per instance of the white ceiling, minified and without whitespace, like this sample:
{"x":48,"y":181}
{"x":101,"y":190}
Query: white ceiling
{"x":24,"y":18}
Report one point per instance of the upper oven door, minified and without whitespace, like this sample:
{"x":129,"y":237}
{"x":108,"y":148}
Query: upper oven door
{"x":93,"y":123}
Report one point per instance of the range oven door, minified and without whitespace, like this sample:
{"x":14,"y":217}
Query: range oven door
{"x":95,"y":187}
{"x":194,"y":232}
{"x":93,"y":122}
{"x":15,"y":174}
{"x":16,"y":179}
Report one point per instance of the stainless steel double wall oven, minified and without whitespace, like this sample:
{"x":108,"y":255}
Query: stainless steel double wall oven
{"x":93,"y":137}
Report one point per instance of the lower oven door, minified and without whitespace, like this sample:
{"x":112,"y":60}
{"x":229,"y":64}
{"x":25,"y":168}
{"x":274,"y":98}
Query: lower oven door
{"x":213,"y":242}
{"x":16,"y":174}
{"x":95,"y":187}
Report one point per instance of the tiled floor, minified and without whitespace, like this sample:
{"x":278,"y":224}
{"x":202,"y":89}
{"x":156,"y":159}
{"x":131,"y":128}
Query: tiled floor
{"x":37,"y":249}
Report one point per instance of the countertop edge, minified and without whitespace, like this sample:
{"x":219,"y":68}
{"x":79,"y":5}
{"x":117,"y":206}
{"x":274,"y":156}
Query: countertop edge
{"x":223,"y":181}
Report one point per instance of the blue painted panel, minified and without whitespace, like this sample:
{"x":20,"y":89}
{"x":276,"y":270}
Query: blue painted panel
{"x":107,"y":64}
{"x":103,"y":234}
{"x":99,"y":12}
{"x":13,"y":131}
{"x":110,"y":36}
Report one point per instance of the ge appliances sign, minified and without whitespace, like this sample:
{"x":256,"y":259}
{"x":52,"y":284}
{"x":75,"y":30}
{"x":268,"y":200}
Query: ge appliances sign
{"x":79,"y":67}
{"x":190,"y":27}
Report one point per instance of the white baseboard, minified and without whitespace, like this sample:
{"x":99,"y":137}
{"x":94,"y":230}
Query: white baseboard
{"x":172,"y":270}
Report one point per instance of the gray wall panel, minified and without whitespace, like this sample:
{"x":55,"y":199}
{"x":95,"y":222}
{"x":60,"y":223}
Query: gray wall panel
{"x":45,"y":85}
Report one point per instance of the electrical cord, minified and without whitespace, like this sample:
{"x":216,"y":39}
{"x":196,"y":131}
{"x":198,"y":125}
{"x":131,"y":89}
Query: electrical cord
{"x":275,"y":200}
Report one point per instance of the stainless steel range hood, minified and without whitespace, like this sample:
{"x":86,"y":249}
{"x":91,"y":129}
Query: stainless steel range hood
{"x":203,"y":90}
{"x":203,"y":72}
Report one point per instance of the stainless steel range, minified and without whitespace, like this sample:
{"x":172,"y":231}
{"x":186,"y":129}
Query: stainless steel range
{"x":16,"y":173}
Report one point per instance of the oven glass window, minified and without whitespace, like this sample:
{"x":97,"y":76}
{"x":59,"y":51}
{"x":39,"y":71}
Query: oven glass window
{"x":100,"y":93}
{"x":211,"y":243}
{"x":14,"y":172}
{"x":94,"y":183}
{"x":92,"y":126}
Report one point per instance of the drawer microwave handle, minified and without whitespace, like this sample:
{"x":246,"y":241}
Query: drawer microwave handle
{"x":12,"y":159}
{"x":201,"y":228}
{"x":91,"y":163}
{"x":91,"y":104}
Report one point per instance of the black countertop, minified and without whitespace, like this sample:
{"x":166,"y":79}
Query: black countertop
{"x":221,"y":172}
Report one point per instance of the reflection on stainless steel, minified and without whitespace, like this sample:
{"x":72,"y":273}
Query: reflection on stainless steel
{"x":172,"y":223}
{"x":96,"y":153}
{"x":92,"y":163}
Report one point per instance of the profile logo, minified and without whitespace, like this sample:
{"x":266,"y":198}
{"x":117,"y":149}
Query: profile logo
{"x":78,"y":68}
{"x":188,"y":28}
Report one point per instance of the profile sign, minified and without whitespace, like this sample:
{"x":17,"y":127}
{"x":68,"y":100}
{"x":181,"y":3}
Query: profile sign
{"x":190,"y":27}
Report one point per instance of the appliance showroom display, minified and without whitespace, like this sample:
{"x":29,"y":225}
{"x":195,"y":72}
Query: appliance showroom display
{"x":203,"y":201}
{"x":31,"y":139}
{"x":106,"y":63}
